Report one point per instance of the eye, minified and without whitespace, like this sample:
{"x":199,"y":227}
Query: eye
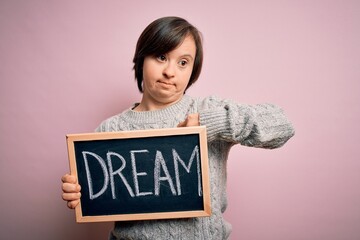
{"x":161,"y":58}
{"x":183,"y":63}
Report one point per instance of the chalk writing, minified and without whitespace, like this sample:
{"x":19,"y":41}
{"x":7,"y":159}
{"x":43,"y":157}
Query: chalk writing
{"x":161,"y":174}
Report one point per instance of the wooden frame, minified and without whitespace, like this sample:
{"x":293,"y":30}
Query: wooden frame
{"x":73,"y":139}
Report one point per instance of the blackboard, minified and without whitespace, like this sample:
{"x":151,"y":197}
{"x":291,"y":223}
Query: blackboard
{"x":141,"y":175}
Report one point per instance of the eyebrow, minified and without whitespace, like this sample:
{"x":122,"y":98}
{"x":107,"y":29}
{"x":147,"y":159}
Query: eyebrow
{"x":187,"y":55}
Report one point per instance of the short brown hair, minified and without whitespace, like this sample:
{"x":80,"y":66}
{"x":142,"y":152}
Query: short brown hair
{"x":162,"y":36}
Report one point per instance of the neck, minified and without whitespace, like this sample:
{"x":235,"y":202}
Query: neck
{"x":146,"y":105}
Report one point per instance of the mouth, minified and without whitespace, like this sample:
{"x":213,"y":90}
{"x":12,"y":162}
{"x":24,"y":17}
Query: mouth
{"x":166,"y":83}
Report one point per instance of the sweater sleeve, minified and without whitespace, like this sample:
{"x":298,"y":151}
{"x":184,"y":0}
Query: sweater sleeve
{"x":262,"y":125}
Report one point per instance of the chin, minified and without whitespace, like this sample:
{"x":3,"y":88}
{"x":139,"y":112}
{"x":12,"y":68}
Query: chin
{"x":169,"y":97}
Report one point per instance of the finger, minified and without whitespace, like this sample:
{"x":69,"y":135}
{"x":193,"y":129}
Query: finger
{"x":72,"y":204}
{"x":182,"y":124}
{"x":67,"y":178}
{"x":71,"y":196}
{"x":71,"y":188}
{"x":192,"y":120}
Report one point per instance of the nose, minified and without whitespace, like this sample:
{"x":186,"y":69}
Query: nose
{"x":169,"y":70}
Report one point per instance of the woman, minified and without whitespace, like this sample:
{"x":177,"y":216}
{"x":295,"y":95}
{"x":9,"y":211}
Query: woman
{"x":167,"y":61}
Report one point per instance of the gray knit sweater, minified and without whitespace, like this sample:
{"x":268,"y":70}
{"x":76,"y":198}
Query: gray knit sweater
{"x":227,"y":124}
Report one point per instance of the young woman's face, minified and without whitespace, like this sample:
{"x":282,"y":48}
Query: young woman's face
{"x":165,"y":77}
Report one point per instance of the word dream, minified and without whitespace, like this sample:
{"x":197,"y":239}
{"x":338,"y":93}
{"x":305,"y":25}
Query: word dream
{"x":160,"y":172}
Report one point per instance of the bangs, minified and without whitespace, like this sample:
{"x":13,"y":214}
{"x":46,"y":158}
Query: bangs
{"x":161,"y":42}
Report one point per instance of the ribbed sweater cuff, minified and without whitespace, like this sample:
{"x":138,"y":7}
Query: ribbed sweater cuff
{"x":215,"y":120}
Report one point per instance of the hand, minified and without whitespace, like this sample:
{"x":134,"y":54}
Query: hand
{"x":71,"y":190}
{"x":190,"y":121}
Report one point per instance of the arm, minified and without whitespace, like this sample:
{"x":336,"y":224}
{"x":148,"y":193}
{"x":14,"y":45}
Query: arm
{"x":262,"y":125}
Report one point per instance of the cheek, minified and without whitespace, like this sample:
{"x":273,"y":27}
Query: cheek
{"x":148,"y":73}
{"x":186,"y":77}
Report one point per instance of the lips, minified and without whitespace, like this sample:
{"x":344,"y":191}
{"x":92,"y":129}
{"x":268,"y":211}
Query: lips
{"x":167,"y":83}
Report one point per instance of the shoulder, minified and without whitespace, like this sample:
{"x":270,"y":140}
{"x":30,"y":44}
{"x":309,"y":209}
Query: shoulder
{"x":112,"y":124}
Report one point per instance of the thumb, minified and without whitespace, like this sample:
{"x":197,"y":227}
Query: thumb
{"x":190,"y":120}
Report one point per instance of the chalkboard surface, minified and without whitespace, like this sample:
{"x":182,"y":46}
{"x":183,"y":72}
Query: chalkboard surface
{"x":138,"y":175}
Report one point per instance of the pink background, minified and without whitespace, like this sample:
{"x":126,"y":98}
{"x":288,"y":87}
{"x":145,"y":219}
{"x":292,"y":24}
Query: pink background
{"x":66,"y":65}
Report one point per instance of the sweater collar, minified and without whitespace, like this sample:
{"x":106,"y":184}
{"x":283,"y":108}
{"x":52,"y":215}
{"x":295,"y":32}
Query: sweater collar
{"x":158,"y":115}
